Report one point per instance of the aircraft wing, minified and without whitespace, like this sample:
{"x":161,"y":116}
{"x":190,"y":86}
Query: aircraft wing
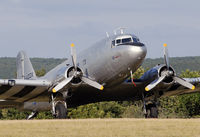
{"x":162,"y":89}
{"x":20,"y":90}
{"x":85,"y":94}
{"x":177,"y":89}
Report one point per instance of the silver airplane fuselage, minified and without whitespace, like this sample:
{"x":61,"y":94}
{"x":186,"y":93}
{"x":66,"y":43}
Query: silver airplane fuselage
{"x":106,"y":63}
{"x":111,"y":65}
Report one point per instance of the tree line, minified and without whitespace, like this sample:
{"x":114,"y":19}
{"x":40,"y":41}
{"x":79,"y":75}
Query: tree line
{"x":8,"y":64}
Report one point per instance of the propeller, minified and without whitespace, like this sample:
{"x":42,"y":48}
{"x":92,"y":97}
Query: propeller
{"x":92,"y":83}
{"x":168,"y":73}
{"x":76,"y":74}
{"x":62,"y":84}
{"x":166,"y":56}
{"x":73,"y":55}
{"x":183,"y":82}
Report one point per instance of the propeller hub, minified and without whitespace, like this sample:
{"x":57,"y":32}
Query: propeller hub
{"x":167,"y":73}
{"x":75,"y":73}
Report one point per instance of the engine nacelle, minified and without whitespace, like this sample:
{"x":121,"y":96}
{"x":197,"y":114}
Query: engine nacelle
{"x":157,"y":72}
{"x":67,"y":72}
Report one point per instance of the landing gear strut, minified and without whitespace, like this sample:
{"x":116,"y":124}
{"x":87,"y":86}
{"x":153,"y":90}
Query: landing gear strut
{"x":151,"y":110}
{"x":59,"y":108}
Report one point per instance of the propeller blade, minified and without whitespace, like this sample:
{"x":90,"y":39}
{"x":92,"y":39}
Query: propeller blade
{"x":154,"y":83}
{"x":184,"y":82}
{"x":166,"y":56}
{"x":61,"y":84}
{"x":92,"y":83}
{"x":73,"y":54}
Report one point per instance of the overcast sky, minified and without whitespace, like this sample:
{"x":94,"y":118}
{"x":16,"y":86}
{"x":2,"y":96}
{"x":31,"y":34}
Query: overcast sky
{"x":45,"y":28}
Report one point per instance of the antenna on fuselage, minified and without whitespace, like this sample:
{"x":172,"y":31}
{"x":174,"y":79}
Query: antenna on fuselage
{"x":121,"y":29}
{"x":107,"y":34}
{"x":115,"y":32}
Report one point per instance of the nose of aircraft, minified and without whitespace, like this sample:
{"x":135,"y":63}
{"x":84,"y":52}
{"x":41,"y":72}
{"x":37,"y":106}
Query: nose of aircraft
{"x":138,"y":52}
{"x":143,"y":52}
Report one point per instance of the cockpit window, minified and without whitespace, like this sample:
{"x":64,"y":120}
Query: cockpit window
{"x":136,"y":39}
{"x":126,"y":40}
{"x":113,"y":43}
{"x":118,"y":41}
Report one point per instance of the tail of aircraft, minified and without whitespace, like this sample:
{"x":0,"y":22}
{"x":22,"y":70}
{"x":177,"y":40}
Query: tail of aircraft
{"x":24,"y":67}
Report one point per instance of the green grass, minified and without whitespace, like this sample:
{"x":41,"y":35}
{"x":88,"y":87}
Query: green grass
{"x":101,"y":128}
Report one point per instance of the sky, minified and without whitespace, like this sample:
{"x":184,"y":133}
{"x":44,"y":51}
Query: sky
{"x":46,"y":28}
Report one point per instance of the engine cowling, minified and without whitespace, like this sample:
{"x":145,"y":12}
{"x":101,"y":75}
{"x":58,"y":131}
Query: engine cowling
{"x":159,"y":71}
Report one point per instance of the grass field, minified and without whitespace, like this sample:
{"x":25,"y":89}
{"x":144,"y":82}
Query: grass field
{"x":101,"y":128}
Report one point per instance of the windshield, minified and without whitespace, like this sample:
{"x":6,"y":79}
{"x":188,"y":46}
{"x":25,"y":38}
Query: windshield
{"x":136,"y":39}
{"x":123,"y":40}
{"x":118,"y":41}
{"x":126,"y":40}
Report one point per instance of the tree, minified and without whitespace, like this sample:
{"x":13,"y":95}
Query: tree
{"x":40,"y":72}
{"x":190,"y":74}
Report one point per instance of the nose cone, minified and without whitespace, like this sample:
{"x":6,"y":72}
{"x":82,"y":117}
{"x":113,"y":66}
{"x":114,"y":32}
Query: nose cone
{"x":137,"y":52}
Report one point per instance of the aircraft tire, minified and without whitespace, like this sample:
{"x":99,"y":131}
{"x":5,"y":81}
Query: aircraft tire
{"x":61,"y":111}
{"x":154,"y":112}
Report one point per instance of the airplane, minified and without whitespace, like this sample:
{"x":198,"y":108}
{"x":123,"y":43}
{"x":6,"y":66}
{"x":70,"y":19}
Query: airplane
{"x":98,"y":73}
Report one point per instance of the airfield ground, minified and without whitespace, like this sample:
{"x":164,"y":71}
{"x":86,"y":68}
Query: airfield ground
{"x":101,"y":128}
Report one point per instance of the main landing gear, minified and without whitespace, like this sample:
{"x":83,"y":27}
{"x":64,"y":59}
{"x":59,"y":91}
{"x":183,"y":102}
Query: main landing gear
{"x":59,"y":108}
{"x":150,"y":108}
